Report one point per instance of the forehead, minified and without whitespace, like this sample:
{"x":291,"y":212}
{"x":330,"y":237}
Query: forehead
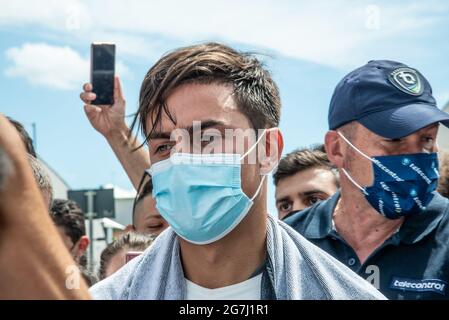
{"x":304,"y":181}
{"x":200,"y":102}
{"x":145,"y":204}
{"x":364,"y":134}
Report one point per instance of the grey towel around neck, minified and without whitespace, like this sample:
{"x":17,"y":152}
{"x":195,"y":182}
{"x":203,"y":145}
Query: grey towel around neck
{"x":296,"y":270}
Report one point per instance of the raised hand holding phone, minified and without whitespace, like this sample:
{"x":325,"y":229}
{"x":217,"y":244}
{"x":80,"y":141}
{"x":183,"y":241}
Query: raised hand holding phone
{"x":103,"y":96}
{"x":109,"y":120}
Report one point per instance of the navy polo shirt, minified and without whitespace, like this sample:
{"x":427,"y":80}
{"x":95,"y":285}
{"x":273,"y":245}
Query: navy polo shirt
{"x":412,"y":264}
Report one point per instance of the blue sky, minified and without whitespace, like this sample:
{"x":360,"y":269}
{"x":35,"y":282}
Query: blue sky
{"x":309,"y":46}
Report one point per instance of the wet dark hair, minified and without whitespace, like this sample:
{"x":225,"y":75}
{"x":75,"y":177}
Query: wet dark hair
{"x":255,"y":92}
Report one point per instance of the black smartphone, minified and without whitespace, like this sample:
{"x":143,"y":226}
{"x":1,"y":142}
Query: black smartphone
{"x":102,"y":71}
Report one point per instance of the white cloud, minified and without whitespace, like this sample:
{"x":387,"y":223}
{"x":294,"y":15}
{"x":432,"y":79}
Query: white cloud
{"x":335,"y":33}
{"x":51,"y":66}
{"x":55,"y":14}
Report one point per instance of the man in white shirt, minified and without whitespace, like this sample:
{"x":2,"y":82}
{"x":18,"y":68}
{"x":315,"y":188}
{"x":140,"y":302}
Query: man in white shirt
{"x":209,"y":115}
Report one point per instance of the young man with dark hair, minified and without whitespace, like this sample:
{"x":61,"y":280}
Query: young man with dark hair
{"x":194,"y":103}
{"x":303,"y":178}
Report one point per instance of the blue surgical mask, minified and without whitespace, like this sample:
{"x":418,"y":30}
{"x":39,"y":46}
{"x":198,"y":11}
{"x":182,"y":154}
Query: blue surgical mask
{"x":403,"y":184}
{"x":200,"y":196}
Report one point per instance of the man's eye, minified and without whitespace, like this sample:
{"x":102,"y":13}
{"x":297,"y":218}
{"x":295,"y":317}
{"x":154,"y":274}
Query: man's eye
{"x":286,"y":206}
{"x":314,"y":199}
{"x":398,"y":140}
{"x":429,"y":143}
{"x":163,"y":148}
{"x":209,"y":138}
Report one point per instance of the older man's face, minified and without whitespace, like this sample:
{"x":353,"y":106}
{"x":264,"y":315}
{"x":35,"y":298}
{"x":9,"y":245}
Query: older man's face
{"x":371,"y":144}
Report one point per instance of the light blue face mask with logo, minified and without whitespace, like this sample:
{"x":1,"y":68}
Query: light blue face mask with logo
{"x":200,"y":196}
{"x":403,"y":184}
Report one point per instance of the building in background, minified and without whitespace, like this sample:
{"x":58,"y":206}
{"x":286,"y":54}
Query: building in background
{"x":60,"y":186}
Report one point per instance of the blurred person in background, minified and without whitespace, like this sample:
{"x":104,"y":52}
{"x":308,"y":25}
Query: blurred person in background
{"x":42,"y":179}
{"x":37,"y":265}
{"x":40,"y":174}
{"x":146,"y":217}
{"x":69,"y":220}
{"x":28,"y":142}
{"x":113,"y":256}
{"x":303,"y":178}
{"x":443,"y":183}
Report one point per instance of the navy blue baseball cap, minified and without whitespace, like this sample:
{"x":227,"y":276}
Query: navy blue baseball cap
{"x":387,"y":97}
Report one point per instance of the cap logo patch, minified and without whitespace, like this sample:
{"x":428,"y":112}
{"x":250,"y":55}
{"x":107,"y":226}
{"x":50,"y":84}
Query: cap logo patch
{"x":407,"y":80}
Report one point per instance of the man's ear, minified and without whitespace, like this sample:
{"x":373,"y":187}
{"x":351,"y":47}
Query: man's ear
{"x":333,"y":145}
{"x":83,"y":243}
{"x":270,"y":152}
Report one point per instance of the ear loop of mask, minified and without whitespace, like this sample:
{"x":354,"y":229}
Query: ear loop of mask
{"x":246,"y":154}
{"x":344,"y":170}
{"x":253,"y":146}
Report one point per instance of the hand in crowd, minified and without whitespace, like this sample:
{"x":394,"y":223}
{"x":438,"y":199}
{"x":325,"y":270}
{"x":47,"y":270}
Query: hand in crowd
{"x":108,"y":120}
{"x":37,"y":265}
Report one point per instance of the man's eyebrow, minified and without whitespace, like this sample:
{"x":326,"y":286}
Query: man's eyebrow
{"x":310,"y":192}
{"x":207,"y":124}
{"x":286,"y":198}
{"x":158,"y":135}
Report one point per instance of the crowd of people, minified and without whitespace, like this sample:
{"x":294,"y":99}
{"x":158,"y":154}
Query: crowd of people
{"x":353,"y":210}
